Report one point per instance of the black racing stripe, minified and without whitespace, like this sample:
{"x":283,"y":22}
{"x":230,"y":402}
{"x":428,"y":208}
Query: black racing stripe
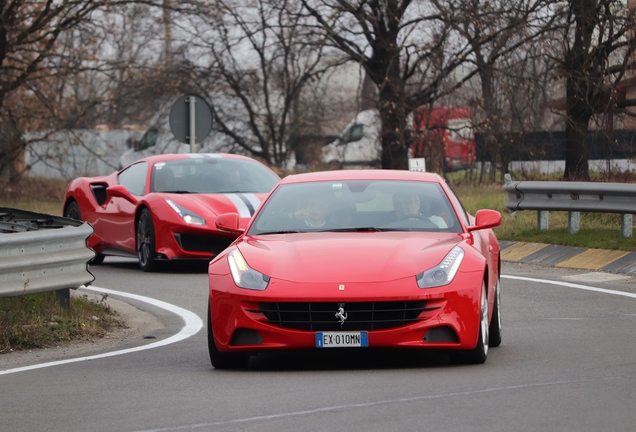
{"x":247,"y":202}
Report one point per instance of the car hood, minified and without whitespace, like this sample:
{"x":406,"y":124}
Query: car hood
{"x":342,"y":257}
{"x":212,"y":205}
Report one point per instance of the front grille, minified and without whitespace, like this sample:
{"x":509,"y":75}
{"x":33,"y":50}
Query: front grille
{"x":318,"y":316}
{"x":203,"y":243}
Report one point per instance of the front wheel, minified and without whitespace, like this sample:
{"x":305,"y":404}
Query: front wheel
{"x":73,"y":212}
{"x":495,"y":322}
{"x":222,"y":360}
{"x":146,"y":241}
{"x":479,"y":354}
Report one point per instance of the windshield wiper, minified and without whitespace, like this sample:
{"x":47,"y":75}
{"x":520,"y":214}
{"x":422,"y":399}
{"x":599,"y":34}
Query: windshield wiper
{"x":359,"y":229}
{"x":281,"y":232}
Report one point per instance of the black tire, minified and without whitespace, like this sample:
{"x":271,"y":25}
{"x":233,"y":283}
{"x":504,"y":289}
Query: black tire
{"x":146,"y":241}
{"x":221,"y":360}
{"x":98,"y":259}
{"x":495,"y":323}
{"x":479,"y":354}
{"x":73,"y":212}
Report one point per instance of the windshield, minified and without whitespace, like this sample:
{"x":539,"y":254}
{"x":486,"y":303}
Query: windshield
{"x":357,"y":205}
{"x":212,"y":175}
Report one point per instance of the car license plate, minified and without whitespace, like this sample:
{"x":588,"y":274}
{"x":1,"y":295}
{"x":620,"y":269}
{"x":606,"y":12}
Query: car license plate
{"x":342,"y":339}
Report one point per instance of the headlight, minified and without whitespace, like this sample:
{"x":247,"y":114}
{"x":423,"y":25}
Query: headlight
{"x":187,"y":215}
{"x":244,"y":276}
{"x":443,"y":273}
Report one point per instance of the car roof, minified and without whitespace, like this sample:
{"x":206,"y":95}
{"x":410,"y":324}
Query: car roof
{"x":365,"y":174}
{"x":176,"y":156}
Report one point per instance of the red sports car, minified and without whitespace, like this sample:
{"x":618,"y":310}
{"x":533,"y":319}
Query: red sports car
{"x":164,"y":207}
{"x":356,"y":259}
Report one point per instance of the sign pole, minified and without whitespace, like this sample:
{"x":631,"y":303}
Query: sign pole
{"x":193,"y":130}
{"x":190,"y":120}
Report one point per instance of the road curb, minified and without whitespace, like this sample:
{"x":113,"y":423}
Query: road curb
{"x":623,"y":262}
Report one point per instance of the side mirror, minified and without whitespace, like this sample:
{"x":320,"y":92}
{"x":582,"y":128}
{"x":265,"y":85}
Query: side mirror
{"x":486,"y":219}
{"x":229,"y":222}
{"x":121,"y":192}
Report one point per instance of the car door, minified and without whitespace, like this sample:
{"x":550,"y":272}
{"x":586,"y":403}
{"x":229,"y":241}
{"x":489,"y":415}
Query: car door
{"x":119,"y":214}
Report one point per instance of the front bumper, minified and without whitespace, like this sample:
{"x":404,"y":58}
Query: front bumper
{"x":243,"y":321}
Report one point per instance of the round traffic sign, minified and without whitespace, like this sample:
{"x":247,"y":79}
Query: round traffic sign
{"x":181,"y":119}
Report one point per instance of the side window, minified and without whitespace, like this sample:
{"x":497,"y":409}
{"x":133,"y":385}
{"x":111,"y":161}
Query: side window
{"x":354,"y":133}
{"x":134,"y":178}
{"x":462,"y":213}
{"x":148,"y":140}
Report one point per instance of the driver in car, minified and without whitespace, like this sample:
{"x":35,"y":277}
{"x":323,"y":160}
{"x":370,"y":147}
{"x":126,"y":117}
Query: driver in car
{"x":406,"y":205}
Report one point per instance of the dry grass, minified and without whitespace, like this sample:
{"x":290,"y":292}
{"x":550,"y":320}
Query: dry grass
{"x":38,"y":321}
{"x":34,"y":194}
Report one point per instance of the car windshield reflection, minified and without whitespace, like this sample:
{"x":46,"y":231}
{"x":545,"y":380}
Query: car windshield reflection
{"x":212,"y":175}
{"x":357,"y":206}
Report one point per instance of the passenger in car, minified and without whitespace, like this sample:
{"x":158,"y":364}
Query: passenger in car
{"x":314,"y":214}
{"x":407,"y":205}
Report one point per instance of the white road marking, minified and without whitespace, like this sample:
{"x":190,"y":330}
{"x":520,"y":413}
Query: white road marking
{"x":374,"y":403}
{"x":572,"y":285}
{"x":192,"y":325}
{"x":596,"y":277}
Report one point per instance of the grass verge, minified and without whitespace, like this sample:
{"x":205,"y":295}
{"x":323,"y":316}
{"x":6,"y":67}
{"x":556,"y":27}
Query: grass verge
{"x":38,"y":321}
{"x":597,"y":230}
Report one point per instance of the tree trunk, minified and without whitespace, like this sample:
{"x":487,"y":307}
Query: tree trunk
{"x":394,"y":134}
{"x":580,"y":85}
{"x":576,"y":153}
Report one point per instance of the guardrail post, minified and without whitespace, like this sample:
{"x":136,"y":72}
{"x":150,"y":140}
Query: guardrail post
{"x":63,"y":297}
{"x":574,"y":222}
{"x":542,"y":220}
{"x":626,"y":225}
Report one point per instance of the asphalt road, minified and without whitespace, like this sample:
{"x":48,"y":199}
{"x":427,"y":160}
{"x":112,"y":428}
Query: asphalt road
{"x":567,"y":363}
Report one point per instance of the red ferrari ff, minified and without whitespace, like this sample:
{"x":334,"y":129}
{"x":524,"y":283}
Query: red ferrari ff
{"x":356,"y":259}
{"x":164,"y":207}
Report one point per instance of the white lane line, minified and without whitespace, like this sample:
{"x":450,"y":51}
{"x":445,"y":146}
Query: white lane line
{"x":572,"y":285}
{"x":374,"y":403}
{"x":192,"y":325}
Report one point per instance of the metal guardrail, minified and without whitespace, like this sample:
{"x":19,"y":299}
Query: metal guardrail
{"x":40,"y":253}
{"x":573,"y":197}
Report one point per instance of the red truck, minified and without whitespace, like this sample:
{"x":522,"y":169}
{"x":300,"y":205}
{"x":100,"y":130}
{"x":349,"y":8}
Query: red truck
{"x":444,"y":137}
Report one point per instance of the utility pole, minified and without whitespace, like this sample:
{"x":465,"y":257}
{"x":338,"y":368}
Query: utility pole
{"x":168,"y":32}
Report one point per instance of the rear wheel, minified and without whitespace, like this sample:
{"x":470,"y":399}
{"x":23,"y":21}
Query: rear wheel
{"x":479,"y":354}
{"x":73,"y":212}
{"x":146,"y":241}
{"x":222,"y":360}
{"x":495,"y":322}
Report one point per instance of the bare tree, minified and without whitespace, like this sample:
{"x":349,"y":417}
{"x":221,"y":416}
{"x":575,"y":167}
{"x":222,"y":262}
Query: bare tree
{"x":598,"y":47}
{"x":51,"y":75}
{"x":511,"y":29}
{"x":255,"y":60}
{"x":411,"y":50}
